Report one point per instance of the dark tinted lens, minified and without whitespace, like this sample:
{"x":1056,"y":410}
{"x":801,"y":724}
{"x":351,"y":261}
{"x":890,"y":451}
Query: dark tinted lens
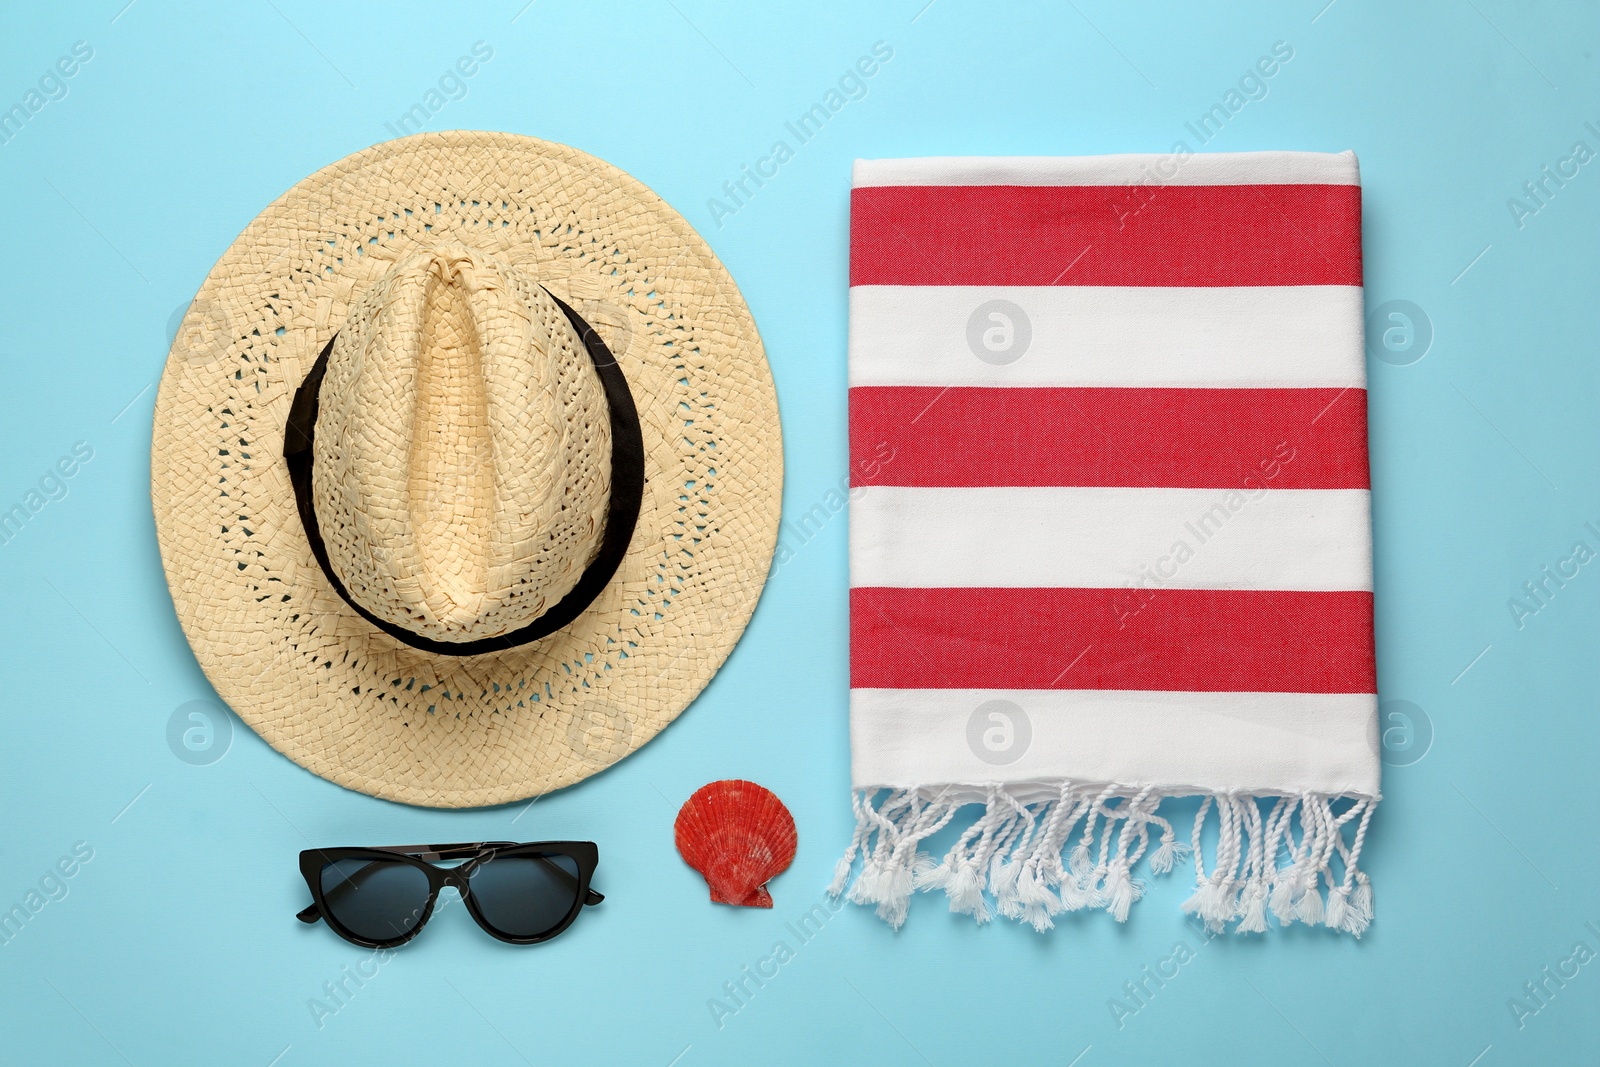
{"x":380,"y":900}
{"x":525,"y":895}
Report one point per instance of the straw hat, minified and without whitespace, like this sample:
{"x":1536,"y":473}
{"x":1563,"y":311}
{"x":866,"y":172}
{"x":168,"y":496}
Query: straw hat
{"x":466,"y":469}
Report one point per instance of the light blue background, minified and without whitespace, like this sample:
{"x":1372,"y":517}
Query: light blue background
{"x":177,"y":943}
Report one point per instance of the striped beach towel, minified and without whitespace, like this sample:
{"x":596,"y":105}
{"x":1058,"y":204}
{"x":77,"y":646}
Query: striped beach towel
{"x":1109,"y":534}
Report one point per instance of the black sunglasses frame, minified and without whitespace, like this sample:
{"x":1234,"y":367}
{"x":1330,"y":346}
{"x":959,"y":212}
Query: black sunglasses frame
{"x":425,"y":857}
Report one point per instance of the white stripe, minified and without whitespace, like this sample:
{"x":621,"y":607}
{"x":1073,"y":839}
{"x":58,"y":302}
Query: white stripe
{"x":1231,"y":168}
{"x":1127,"y":336}
{"x":937,"y":537}
{"x":1262,"y":743}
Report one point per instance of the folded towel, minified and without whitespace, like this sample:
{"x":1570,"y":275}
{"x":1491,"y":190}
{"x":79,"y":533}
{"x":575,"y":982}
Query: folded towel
{"x":1109,"y":533}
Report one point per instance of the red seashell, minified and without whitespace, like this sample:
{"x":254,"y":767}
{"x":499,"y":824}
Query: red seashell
{"x":738,"y":835}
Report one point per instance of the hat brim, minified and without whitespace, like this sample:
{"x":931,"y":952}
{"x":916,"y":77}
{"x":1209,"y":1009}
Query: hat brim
{"x":324,"y":686}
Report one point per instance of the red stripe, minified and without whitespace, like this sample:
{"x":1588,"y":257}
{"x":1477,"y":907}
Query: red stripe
{"x":1106,"y":235}
{"x":1172,"y":438}
{"x":1180,"y":640}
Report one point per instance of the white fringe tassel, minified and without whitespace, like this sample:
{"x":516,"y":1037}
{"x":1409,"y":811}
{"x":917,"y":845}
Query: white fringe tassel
{"x":1017,"y":858}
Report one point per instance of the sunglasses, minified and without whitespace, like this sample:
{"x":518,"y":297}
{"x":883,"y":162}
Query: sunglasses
{"x":381,"y":897}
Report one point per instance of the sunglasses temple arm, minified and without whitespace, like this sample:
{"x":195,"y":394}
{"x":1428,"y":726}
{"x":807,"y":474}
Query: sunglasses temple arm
{"x":472,"y":850}
{"x":310,"y":915}
{"x":432,"y":853}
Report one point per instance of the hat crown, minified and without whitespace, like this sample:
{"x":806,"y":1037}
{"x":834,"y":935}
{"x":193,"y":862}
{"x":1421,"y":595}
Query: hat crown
{"x":463,"y":448}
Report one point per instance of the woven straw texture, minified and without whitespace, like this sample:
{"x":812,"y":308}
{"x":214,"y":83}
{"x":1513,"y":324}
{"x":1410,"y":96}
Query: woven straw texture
{"x":430,"y":250}
{"x":463,"y":449}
